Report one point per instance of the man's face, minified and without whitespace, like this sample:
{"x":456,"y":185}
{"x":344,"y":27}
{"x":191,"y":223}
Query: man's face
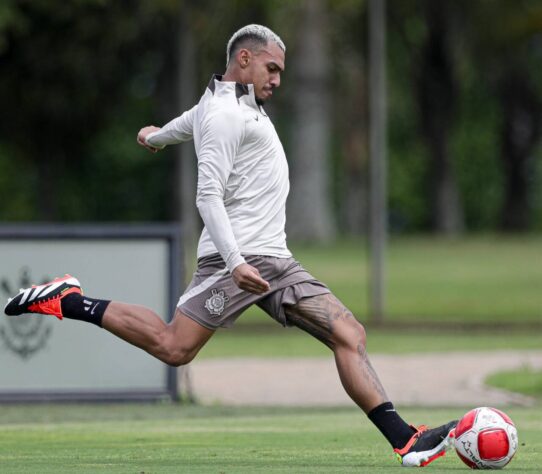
{"x":264,"y":69}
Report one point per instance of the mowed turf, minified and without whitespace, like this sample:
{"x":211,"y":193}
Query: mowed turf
{"x":525,"y":380}
{"x":184,"y":439}
{"x":275,"y":341}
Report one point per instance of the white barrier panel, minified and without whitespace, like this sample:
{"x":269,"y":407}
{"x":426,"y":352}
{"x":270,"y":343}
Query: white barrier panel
{"x":42,"y":358}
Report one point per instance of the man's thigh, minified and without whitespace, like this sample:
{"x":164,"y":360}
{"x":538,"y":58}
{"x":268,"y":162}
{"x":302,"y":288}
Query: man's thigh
{"x":212,"y":298}
{"x":324,"y":317}
{"x":188,"y":334}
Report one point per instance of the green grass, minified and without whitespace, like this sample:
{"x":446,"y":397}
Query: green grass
{"x":275,"y":341}
{"x":526,"y":380}
{"x":291,"y":342}
{"x":468,"y":280}
{"x":173,"y":439}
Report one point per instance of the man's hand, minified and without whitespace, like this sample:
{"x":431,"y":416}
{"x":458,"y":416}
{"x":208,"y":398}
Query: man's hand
{"x":248,"y":278}
{"x":142,"y":135}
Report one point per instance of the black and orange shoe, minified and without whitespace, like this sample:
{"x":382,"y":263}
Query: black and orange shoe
{"x":426,"y":445}
{"x":43,"y":299}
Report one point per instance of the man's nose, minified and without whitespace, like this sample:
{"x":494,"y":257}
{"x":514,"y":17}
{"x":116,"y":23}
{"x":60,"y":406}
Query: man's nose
{"x":275,"y":81}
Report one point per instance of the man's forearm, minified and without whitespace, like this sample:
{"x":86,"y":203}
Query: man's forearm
{"x":217,"y":222}
{"x":167,"y":135}
{"x":176,"y":131}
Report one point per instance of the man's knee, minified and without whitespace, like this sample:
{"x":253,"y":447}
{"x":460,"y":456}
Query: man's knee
{"x":179,"y":356}
{"x":175,"y":352}
{"x":181,"y":340}
{"x":352,"y":335}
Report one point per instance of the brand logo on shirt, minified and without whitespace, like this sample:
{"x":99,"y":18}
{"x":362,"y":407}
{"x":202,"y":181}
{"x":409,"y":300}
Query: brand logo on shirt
{"x":216,"y":303}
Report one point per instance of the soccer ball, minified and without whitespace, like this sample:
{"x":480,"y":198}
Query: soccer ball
{"x":486,"y":438}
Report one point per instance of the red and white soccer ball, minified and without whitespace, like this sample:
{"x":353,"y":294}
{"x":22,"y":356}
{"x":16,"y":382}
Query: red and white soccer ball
{"x":486,"y":438}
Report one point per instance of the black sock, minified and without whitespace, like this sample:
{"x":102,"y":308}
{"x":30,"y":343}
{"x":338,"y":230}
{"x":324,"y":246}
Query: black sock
{"x":83,"y":308}
{"x":391,"y":425}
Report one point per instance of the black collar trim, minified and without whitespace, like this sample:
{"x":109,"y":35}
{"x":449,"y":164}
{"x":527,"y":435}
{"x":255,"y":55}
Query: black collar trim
{"x":240,"y":89}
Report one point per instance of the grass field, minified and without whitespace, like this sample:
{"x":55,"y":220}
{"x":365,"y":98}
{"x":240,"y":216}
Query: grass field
{"x":488,"y":280}
{"x":275,"y":341}
{"x":485,"y":281}
{"x":184,"y":439}
{"x":525,"y":380}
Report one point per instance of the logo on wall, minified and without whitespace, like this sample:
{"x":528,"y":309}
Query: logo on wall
{"x":26,"y":334}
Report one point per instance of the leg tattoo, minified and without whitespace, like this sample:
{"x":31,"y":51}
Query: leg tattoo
{"x":328,"y":320}
{"x":317,"y":316}
{"x":369,"y":371}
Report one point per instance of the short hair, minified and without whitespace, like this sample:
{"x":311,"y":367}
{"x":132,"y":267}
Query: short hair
{"x":257,"y":35}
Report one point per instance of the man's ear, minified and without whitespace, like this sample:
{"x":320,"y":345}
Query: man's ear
{"x":244,"y":58}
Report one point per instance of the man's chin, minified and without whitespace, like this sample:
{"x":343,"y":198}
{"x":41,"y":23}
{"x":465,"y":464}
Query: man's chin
{"x":260,"y":101}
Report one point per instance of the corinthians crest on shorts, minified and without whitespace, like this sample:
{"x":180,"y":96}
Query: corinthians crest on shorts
{"x":216,"y":303}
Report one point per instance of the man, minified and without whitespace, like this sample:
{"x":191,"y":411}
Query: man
{"x":242,"y":254}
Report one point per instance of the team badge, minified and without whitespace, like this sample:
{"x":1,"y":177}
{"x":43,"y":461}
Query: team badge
{"x":215,"y":304}
{"x":26,"y":334}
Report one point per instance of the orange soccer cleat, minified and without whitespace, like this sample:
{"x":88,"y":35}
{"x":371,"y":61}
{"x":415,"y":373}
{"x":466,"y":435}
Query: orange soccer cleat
{"x":426,"y":445}
{"x":43,"y":299}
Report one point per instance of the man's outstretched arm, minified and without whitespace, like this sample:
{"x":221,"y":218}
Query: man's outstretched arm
{"x":178,"y":130}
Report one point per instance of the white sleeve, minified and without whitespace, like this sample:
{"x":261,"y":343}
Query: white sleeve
{"x":177,"y":131}
{"x":221,"y":134}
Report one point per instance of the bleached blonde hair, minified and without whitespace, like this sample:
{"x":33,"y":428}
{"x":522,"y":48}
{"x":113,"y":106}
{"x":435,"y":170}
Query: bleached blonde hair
{"x":257,"y":34}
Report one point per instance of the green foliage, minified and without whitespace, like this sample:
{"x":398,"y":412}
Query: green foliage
{"x":65,"y":70}
{"x":187,"y":439}
{"x":481,"y":53}
{"x":537,"y":197}
{"x":141,"y":182}
{"x":78,"y":79}
{"x":408,"y":173}
{"x":476,"y":150}
{"x":16,"y":194}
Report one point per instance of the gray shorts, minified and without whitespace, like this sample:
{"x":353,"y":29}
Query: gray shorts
{"x":213,"y":300}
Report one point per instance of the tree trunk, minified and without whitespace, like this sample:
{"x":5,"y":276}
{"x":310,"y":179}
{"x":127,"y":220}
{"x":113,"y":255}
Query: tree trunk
{"x":519,"y":134}
{"x":352,"y":119}
{"x":437,"y":92}
{"x":177,"y":93}
{"x":309,"y":206}
{"x":186,"y":161}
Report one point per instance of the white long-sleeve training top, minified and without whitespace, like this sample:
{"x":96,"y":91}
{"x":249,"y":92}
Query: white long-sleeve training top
{"x":242,"y":172}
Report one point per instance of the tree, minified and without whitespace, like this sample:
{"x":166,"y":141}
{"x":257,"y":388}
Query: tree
{"x":520,"y":133}
{"x":350,"y":114}
{"x":508,"y":59}
{"x":437,"y":91}
{"x":309,"y":205}
{"x":62,"y":70}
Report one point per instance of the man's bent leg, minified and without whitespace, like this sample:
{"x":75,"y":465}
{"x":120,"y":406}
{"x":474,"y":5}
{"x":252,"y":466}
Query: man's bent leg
{"x":327,"y":319}
{"x":176,"y":343}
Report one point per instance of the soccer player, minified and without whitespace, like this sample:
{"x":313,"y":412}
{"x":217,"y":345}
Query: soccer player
{"x":242,"y":254}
